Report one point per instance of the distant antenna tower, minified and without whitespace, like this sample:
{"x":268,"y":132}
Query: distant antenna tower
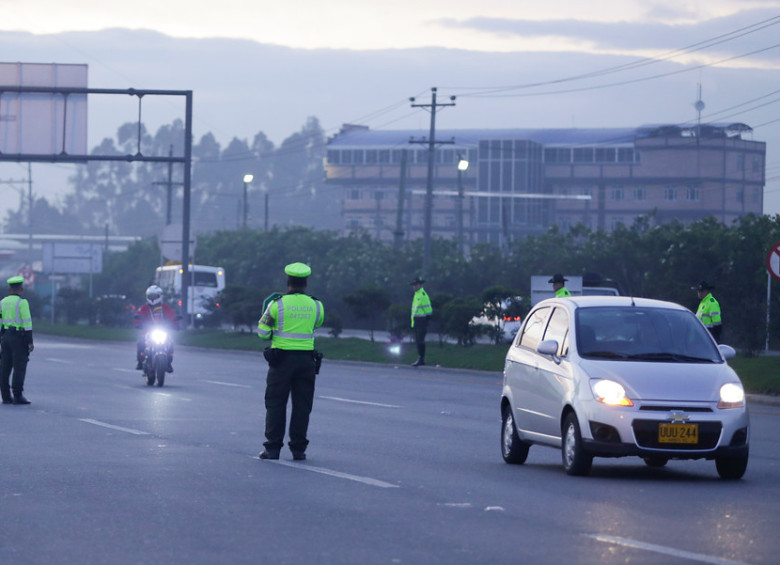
{"x":699,"y":105}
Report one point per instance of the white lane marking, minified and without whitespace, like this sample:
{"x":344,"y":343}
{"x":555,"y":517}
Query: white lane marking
{"x":226,"y":384}
{"x":677,"y":553}
{"x":123,"y":370}
{"x":338,"y":474}
{"x":113,"y":427}
{"x":339,"y":399}
{"x":55,"y":360}
{"x":59,"y":345}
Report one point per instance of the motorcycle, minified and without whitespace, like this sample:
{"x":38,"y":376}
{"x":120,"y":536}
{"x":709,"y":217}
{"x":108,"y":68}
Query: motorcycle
{"x":155,"y":363}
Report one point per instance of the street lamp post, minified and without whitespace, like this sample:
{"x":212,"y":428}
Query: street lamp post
{"x":247,"y":179}
{"x":463,"y":165}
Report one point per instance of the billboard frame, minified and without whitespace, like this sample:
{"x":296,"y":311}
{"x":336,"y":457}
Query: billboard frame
{"x":64,"y":157}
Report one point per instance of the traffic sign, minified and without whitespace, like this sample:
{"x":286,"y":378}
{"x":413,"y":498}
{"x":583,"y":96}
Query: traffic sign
{"x":773,"y":261}
{"x":28,"y":274}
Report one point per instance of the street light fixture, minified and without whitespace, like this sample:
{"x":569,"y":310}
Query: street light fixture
{"x":463,"y":165}
{"x":247,"y":179}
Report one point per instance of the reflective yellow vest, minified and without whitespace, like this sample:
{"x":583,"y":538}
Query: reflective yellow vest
{"x":709,"y":311}
{"x":15,"y":312}
{"x":421,"y":305}
{"x":561,"y":292}
{"x":290,"y":320}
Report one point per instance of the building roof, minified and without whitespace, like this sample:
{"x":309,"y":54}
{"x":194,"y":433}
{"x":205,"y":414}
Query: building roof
{"x":362,"y":136}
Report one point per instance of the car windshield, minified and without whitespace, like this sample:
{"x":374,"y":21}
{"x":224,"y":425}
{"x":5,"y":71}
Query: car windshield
{"x":643,"y":334}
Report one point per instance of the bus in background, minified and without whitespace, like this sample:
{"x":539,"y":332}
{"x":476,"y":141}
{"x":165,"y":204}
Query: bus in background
{"x":204,"y":285}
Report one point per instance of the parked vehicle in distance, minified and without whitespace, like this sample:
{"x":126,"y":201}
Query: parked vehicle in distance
{"x":206,"y":282}
{"x":589,"y":284}
{"x":618,"y":376}
{"x":506,"y":324}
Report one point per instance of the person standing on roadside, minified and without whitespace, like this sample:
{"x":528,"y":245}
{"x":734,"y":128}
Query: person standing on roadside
{"x":559,"y":285}
{"x":709,"y":309}
{"x":289,"y":321}
{"x":421,"y":314}
{"x":16,"y":342}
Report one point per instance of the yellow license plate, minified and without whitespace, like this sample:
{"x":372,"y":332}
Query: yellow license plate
{"x":678,"y":433}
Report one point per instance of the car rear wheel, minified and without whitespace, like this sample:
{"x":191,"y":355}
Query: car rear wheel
{"x":513,"y":449}
{"x":731,"y":467}
{"x":575,"y":460}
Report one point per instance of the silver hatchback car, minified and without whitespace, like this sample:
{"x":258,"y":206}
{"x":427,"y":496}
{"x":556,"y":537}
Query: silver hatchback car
{"x":617,"y":376}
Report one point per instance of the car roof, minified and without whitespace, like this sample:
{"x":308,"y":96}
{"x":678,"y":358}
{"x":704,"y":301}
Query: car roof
{"x":624,"y":301}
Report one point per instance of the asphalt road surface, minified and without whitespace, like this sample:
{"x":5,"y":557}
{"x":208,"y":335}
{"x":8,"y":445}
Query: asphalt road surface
{"x":404,"y":467}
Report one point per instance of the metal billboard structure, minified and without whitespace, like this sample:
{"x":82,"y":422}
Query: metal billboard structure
{"x":45,"y":122}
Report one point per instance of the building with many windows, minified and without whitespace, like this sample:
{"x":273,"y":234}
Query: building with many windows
{"x":522,"y":181}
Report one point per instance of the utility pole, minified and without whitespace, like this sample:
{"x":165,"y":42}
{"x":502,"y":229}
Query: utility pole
{"x":431,"y":143}
{"x":398,"y":234}
{"x":170,"y":184}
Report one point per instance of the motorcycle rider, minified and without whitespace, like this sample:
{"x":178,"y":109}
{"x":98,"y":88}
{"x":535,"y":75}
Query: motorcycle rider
{"x":154,"y":312}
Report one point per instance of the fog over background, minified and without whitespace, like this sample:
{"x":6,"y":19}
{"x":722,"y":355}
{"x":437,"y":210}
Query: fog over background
{"x":510,"y":73}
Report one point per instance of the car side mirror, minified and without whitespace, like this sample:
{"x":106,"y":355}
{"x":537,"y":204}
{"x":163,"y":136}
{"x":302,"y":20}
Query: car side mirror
{"x":547,"y":347}
{"x":727,"y":351}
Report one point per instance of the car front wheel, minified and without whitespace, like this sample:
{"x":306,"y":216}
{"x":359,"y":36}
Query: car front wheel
{"x":575,"y":460}
{"x":731,"y":467}
{"x":513,"y":449}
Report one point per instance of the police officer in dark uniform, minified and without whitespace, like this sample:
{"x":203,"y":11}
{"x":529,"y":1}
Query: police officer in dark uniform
{"x":16,"y":342}
{"x":289,"y":321}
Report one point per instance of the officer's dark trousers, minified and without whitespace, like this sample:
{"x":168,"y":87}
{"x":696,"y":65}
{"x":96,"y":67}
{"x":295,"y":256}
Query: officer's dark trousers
{"x":293,"y":377}
{"x":420,"y":330}
{"x":14,"y":354}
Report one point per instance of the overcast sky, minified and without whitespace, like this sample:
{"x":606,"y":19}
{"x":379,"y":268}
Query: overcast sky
{"x":482,"y":25}
{"x":602,"y":63}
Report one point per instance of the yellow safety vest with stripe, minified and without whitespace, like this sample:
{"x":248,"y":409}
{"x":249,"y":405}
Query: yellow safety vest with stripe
{"x":290,"y":320}
{"x":421,"y":305}
{"x":15,"y":312}
{"x":562,"y":292}
{"x":709,"y":311}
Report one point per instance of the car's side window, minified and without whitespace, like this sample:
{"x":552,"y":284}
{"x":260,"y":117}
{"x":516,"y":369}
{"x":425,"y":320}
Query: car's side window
{"x":533,"y":330}
{"x":558,"y":329}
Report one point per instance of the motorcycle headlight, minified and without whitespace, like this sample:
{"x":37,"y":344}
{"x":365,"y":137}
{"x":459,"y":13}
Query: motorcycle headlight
{"x":159,"y":336}
{"x":732,"y":395}
{"x":610,"y":393}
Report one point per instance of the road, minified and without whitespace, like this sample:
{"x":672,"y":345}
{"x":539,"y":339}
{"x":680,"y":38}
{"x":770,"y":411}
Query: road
{"x":404,"y":467}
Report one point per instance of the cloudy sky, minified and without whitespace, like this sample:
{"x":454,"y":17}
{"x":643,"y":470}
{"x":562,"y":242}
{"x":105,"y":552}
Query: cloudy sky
{"x":266,"y":65}
{"x":486,"y":25}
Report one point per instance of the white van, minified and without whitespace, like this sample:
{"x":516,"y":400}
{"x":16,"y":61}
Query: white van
{"x":204,"y":284}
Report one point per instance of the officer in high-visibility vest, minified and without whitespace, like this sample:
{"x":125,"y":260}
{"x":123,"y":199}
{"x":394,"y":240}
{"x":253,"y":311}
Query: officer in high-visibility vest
{"x":709,"y":309}
{"x":289,"y":321}
{"x":421,"y":314}
{"x":16,"y":342}
{"x":559,"y":286}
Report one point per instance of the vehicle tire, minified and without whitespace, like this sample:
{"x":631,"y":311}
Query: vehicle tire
{"x":513,"y":449}
{"x":149,"y":377}
{"x":656,"y":461}
{"x":575,"y":460}
{"x":731,"y":468}
{"x":160,"y":370}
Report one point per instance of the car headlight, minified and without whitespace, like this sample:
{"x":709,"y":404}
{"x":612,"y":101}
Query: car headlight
{"x":610,"y":393}
{"x":732,"y":395}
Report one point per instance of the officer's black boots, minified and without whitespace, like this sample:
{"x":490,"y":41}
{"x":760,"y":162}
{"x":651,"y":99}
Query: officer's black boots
{"x":420,"y":361}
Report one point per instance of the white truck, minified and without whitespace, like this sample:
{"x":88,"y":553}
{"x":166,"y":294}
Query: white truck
{"x":206,"y":282}
{"x":542,"y":289}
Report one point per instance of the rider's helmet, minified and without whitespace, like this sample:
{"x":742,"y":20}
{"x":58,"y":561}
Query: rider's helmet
{"x":154,"y":295}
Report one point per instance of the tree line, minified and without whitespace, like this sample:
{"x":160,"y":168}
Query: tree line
{"x":365,"y":283}
{"x":125,"y":198}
